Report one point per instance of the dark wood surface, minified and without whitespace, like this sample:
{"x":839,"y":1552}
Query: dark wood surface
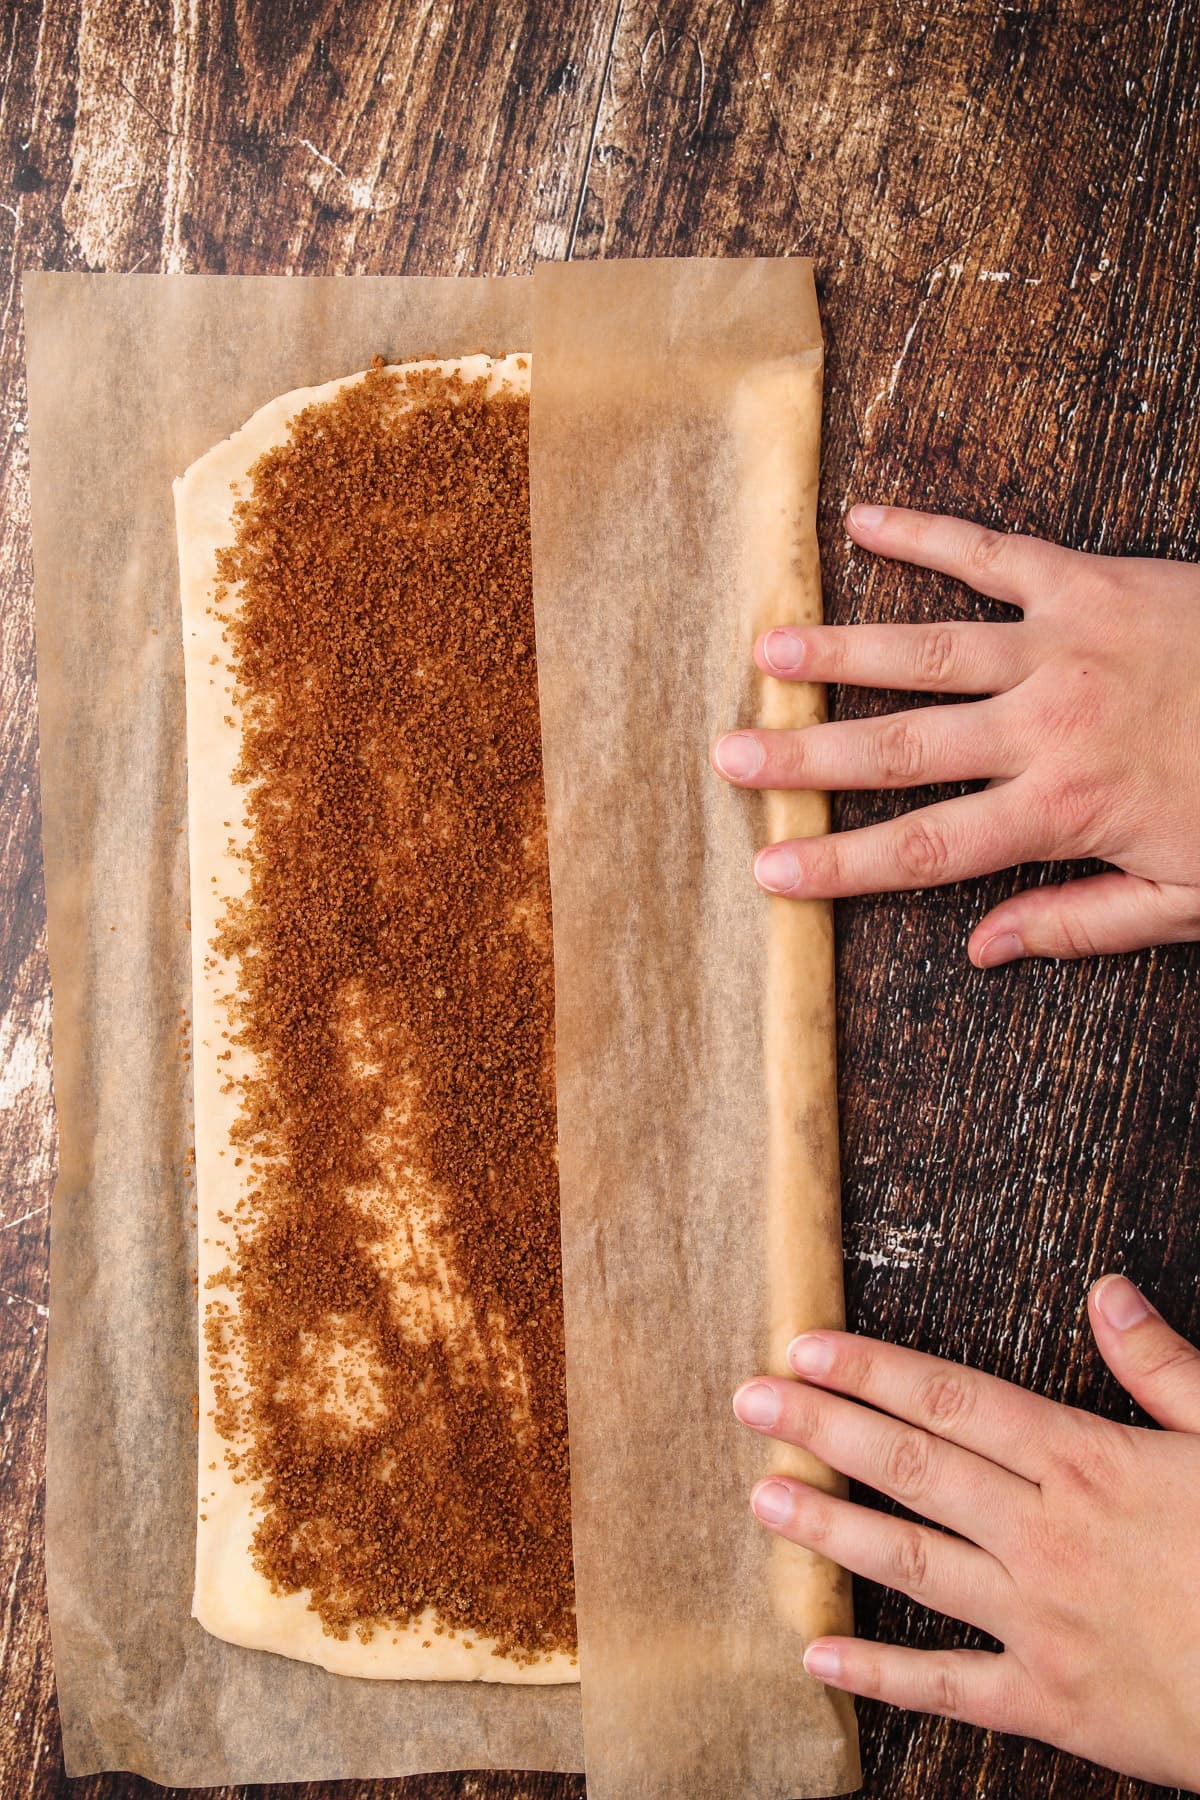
{"x":1002,"y":203}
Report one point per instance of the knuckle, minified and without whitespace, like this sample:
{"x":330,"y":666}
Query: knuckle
{"x":869,"y":1679}
{"x":812,"y":1520}
{"x":922,"y":854}
{"x":828,"y":649}
{"x":945,"y":1694}
{"x":1078,"y":807}
{"x":923,"y":529}
{"x":909,"y":1562}
{"x":899,"y":752}
{"x":1067,"y":812}
{"x":944,"y":1398}
{"x":1101,"y":579}
{"x":1175,"y":907}
{"x":1062,"y":1672}
{"x":1060,"y":1716}
{"x":987,"y":552}
{"x":1072,"y":701}
{"x":906,"y":1465}
{"x":937,"y":658}
{"x":1083,"y":703}
{"x":788,"y":754}
{"x":823,"y":865}
{"x":800,"y":1422}
{"x":1169,"y":1359}
{"x":856,"y":1367}
{"x":1091,"y":1465}
{"x":1008,"y":1708}
{"x":1074,"y":936}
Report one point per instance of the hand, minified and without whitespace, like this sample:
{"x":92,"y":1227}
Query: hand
{"x":1076,"y":1541}
{"x":1089,"y":742}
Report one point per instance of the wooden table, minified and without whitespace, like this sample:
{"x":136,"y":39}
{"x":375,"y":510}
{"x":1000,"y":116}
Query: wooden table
{"x":1001,"y":201}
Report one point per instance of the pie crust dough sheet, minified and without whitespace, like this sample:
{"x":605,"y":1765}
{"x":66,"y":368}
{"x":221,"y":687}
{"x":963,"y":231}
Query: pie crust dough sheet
{"x":232,"y":1599}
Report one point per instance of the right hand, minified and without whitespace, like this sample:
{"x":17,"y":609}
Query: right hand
{"x":1089,"y":739}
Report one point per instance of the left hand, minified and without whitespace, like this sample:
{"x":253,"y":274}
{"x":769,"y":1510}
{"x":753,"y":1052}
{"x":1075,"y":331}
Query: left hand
{"x":1072,"y":1539}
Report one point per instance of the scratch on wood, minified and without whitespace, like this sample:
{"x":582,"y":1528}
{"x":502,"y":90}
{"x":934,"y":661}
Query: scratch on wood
{"x":34,"y":1213}
{"x":585,"y":178}
{"x":165,"y":130}
{"x":887,"y":391}
{"x":360,"y":192}
{"x":700,"y":97}
{"x":306,"y":144}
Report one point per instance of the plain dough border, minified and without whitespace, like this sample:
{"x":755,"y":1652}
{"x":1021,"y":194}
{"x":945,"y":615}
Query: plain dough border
{"x":231,"y":1599}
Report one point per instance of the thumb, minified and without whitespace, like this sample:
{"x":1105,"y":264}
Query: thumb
{"x":1097,"y":916}
{"x":1153,"y":1363}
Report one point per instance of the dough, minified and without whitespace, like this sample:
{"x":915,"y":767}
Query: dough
{"x":778,"y":421}
{"x":232,"y":1599}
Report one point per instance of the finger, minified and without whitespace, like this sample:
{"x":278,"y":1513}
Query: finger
{"x":978,"y":1499}
{"x":1101,"y":915}
{"x":973,"y":834}
{"x":993,"y":1418}
{"x":1003,"y":565}
{"x":909,"y":749}
{"x":931,"y":1567}
{"x":1153,"y":1363}
{"x":942,"y":659}
{"x":978,"y":1686}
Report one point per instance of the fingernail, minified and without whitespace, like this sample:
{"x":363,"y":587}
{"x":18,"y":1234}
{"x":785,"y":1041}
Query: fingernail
{"x":777,"y":870}
{"x":1006,"y":947}
{"x":739,"y":755}
{"x":771,"y":1502}
{"x":783,"y":650}
{"x":810,"y":1355}
{"x":1120,"y":1304}
{"x":866,"y":518}
{"x":822,"y":1662}
{"x":757,"y":1404}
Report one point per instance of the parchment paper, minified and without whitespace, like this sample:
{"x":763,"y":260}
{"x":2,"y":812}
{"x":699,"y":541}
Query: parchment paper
{"x":130,"y":379}
{"x":672,"y":1200}
{"x":674,"y":453}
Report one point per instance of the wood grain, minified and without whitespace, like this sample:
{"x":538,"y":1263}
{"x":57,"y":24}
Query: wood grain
{"x":1002,"y":202}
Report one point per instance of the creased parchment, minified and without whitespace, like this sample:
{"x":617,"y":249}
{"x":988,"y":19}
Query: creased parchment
{"x":692,"y":1680}
{"x":674,"y":454}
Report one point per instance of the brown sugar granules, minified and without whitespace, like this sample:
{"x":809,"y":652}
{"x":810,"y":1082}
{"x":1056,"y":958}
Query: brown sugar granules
{"x":398,"y":1335}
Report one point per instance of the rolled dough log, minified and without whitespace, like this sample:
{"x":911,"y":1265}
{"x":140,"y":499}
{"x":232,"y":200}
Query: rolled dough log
{"x":779,"y":432}
{"x":232,"y":1600}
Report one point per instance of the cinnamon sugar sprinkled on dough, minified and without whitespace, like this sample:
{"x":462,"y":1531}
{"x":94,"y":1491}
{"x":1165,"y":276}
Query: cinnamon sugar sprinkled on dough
{"x":395,"y":1363}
